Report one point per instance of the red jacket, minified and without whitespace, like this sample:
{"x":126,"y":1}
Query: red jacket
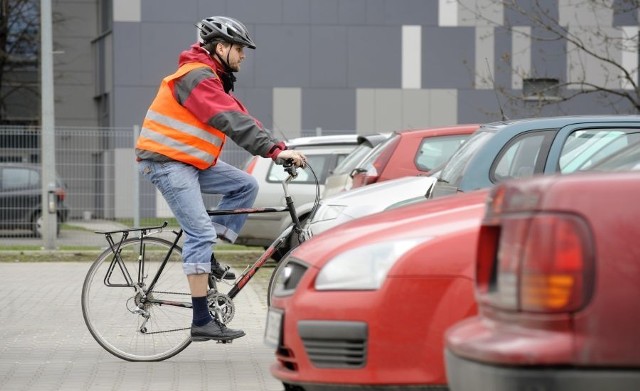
{"x":201,"y":93}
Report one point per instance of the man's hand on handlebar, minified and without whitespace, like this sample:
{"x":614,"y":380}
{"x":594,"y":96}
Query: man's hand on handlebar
{"x":297,"y":158}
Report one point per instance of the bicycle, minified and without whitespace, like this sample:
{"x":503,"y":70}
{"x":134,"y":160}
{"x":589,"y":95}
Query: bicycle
{"x":133,"y":298}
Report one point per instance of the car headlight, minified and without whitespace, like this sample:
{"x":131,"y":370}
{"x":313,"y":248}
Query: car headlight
{"x":328,"y":212}
{"x":363,"y":268}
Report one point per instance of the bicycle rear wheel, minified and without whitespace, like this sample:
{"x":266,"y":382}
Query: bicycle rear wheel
{"x":118,"y":317}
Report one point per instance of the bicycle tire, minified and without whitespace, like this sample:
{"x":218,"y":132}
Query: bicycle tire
{"x":107,"y":310}
{"x":274,"y":276}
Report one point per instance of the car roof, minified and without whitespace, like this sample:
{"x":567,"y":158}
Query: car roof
{"x":351,"y":139}
{"x":442,"y":130}
{"x":555,"y":122}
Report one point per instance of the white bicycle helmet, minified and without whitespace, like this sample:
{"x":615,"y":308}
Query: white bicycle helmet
{"x":226,"y":29}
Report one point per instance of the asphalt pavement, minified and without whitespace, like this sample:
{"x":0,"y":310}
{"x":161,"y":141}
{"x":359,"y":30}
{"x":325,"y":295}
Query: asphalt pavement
{"x":45,"y":345}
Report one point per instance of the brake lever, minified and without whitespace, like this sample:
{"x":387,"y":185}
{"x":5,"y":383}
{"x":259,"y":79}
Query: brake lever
{"x":290,"y":168}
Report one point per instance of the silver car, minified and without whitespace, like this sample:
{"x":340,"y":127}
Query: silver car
{"x":367,"y":200}
{"x":323,"y":154}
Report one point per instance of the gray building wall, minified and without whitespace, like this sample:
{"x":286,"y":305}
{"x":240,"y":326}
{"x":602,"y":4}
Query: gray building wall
{"x":75,"y":28}
{"x":338,"y":64}
{"x":330,"y":66}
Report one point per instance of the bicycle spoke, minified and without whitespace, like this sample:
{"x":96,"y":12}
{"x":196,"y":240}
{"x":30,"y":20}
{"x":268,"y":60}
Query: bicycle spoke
{"x":122,"y":320}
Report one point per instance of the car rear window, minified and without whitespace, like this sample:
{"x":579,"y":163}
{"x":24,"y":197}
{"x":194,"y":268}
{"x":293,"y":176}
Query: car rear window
{"x":452,"y":172}
{"x":351,"y":161}
{"x":434,"y":151}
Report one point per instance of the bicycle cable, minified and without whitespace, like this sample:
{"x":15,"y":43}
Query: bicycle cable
{"x":316,"y":202}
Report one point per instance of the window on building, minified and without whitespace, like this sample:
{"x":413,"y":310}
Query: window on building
{"x":542,"y":88}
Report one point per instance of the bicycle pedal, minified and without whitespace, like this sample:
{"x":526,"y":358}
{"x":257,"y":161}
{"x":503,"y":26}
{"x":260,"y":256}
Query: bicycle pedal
{"x":225,"y":341}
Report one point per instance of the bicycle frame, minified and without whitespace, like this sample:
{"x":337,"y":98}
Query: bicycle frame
{"x":239,"y":283}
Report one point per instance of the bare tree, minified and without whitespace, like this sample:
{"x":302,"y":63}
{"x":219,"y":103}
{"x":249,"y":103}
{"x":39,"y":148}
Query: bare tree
{"x":599,"y":39}
{"x":19,"y":52}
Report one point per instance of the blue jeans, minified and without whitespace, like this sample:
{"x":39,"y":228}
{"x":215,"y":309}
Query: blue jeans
{"x":182,"y":186}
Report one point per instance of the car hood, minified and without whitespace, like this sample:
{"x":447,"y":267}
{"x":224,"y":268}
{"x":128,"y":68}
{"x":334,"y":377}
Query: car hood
{"x":393,"y":190}
{"x":429,"y":218}
{"x":376,"y":197}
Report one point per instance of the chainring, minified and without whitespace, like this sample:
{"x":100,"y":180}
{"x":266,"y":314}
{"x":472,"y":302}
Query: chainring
{"x":221,"y":306}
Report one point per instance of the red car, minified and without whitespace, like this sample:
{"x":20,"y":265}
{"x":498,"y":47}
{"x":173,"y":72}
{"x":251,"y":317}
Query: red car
{"x":411,"y":152}
{"x":343,"y":312}
{"x":558,"y":282}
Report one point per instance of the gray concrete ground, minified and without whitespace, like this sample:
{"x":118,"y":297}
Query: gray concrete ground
{"x":45,"y":345}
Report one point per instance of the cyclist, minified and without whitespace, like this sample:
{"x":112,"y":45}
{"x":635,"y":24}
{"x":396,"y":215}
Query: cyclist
{"x":178,"y":150}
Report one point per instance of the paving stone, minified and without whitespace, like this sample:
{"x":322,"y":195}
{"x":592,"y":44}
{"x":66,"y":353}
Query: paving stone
{"x":45,"y":344}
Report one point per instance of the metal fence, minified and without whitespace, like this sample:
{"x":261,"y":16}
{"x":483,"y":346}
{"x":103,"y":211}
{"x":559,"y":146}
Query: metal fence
{"x":98,"y":169}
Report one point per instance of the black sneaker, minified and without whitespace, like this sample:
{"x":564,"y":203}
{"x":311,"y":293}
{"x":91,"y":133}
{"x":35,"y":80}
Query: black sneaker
{"x":214,"y":330}
{"x":219,"y":271}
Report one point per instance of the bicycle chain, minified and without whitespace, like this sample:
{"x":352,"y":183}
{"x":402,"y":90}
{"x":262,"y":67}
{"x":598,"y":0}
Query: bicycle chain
{"x":172,"y":330}
{"x":170,"y":293}
{"x":165,"y":331}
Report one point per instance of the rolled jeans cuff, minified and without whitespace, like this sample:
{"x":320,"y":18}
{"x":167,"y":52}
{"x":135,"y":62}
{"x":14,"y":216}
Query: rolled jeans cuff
{"x":196,"y":268}
{"x":225,"y":233}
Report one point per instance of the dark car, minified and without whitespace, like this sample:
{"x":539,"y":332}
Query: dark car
{"x":20,"y":196}
{"x":523,"y":148}
{"x":557,"y":279}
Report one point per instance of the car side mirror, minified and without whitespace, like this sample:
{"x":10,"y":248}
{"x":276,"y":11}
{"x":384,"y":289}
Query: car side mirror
{"x":356,"y":171}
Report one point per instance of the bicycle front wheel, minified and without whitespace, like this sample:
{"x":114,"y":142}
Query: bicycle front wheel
{"x":127,"y":320}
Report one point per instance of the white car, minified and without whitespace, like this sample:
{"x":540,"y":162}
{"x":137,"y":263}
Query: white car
{"x":367,"y":200}
{"x":323,"y":154}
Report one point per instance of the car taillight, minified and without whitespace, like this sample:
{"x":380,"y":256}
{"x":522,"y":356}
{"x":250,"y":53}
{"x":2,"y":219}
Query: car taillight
{"x":251,"y":164}
{"x":556,"y":267}
{"x":535,"y":263}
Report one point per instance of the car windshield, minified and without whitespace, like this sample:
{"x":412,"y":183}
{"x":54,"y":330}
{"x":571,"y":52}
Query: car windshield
{"x":352,"y":160}
{"x":452,"y":171}
{"x":377,"y":151}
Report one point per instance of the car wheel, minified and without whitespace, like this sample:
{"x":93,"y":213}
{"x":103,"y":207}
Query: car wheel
{"x":36,"y":224}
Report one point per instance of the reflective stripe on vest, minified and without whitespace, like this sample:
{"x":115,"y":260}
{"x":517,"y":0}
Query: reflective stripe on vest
{"x":171,"y":130}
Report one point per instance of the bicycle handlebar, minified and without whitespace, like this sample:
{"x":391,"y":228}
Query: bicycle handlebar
{"x":290,"y":168}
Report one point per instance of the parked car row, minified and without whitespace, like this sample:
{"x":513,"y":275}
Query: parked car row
{"x":343,"y":162}
{"x":502,"y":260}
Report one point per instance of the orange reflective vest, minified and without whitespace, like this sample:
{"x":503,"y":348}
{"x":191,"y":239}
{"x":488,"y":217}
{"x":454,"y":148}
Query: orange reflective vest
{"x":171,"y":130}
